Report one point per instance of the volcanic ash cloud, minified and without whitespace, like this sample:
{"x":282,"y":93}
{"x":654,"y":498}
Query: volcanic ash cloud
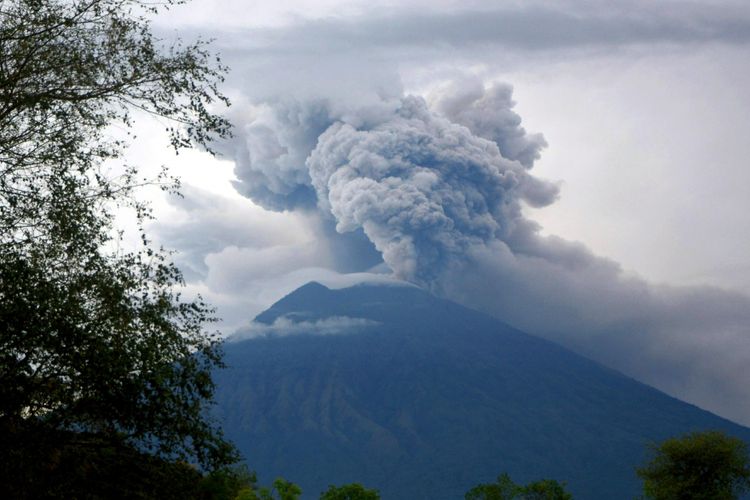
{"x":438,"y":189}
{"x":423,"y":189}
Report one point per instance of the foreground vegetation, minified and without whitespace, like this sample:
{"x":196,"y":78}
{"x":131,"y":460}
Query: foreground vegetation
{"x":105,"y":369}
{"x":701,"y":465}
{"x":698,"y":466}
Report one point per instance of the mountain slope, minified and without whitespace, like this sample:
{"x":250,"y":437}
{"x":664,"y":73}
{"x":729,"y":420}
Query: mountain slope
{"x":427,"y":398}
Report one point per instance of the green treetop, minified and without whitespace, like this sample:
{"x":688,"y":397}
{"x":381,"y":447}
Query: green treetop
{"x":97,"y":345}
{"x":697,"y":466}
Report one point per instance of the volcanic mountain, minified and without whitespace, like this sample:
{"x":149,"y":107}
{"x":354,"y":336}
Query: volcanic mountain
{"x":422,"y":398}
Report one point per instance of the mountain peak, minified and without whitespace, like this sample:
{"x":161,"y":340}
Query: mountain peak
{"x":432,"y":398}
{"x":312,"y":286}
{"x":367,"y":300}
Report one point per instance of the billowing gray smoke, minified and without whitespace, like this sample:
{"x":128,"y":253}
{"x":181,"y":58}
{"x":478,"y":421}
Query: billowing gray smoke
{"x":423,"y":185}
{"x":423,"y":188}
{"x":489,"y":113}
{"x":438,"y":189}
{"x":271,"y":150}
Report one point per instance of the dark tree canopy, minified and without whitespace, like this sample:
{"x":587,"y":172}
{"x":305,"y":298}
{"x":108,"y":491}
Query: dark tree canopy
{"x":229,"y":483}
{"x":353,"y":491}
{"x":281,"y":489}
{"x":53,"y":464}
{"x":697,"y":466}
{"x":69,"y":69}
{"x":96,"y":341}
{"x":505,"y":489}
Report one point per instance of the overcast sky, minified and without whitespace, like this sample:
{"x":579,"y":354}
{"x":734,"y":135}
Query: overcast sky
{"x":578,"y":169}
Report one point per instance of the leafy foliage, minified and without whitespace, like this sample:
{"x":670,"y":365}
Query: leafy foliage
{"x":97,"y":344}
{"x":237,"y":483}
{"x":281,"y":490}
{"x":506,"y":489}
{"x":353,"y":491}
{"x":41,"y":462}
{"x":699,"y":466}
{"x":229,"y":483}
{"x":545,"y":489}
{"x":503,"y":489}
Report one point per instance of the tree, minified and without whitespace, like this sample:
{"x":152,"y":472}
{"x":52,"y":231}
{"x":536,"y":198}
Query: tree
{"x":700,"y":465}
{"x":90,"y":466}
{"x":97,"y":345}
{"x":545,"y":489}
{"x":281,"y":490}
{"x":505,"y":489}
{"x":229,"y":483}
{"x":353,"y":491}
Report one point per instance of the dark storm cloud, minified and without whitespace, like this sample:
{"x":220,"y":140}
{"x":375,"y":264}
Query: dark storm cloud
{"x":530,"y":26}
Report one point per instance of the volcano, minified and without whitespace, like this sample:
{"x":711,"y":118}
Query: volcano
{"x":422,"y":398}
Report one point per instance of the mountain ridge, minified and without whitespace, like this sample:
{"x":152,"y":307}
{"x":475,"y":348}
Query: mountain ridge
{"x":434,"y":399}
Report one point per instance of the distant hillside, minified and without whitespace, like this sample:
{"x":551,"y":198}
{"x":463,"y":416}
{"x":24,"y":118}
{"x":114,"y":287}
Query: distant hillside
{"x":422,"y":399}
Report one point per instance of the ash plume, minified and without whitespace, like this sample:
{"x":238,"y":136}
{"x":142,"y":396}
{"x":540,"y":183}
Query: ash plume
{"x":438,"y":187}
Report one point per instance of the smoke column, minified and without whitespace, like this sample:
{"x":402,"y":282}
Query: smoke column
{"x":437,"y":186}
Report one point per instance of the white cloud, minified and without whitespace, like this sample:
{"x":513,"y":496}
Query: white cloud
{"x":283,"y":326}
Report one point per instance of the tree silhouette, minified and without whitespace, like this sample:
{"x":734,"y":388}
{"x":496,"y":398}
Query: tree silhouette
{"x":98,"y":348}
{"x":697,"y":466}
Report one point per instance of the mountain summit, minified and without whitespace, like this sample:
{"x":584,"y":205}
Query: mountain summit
{"x":422,"y":398}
